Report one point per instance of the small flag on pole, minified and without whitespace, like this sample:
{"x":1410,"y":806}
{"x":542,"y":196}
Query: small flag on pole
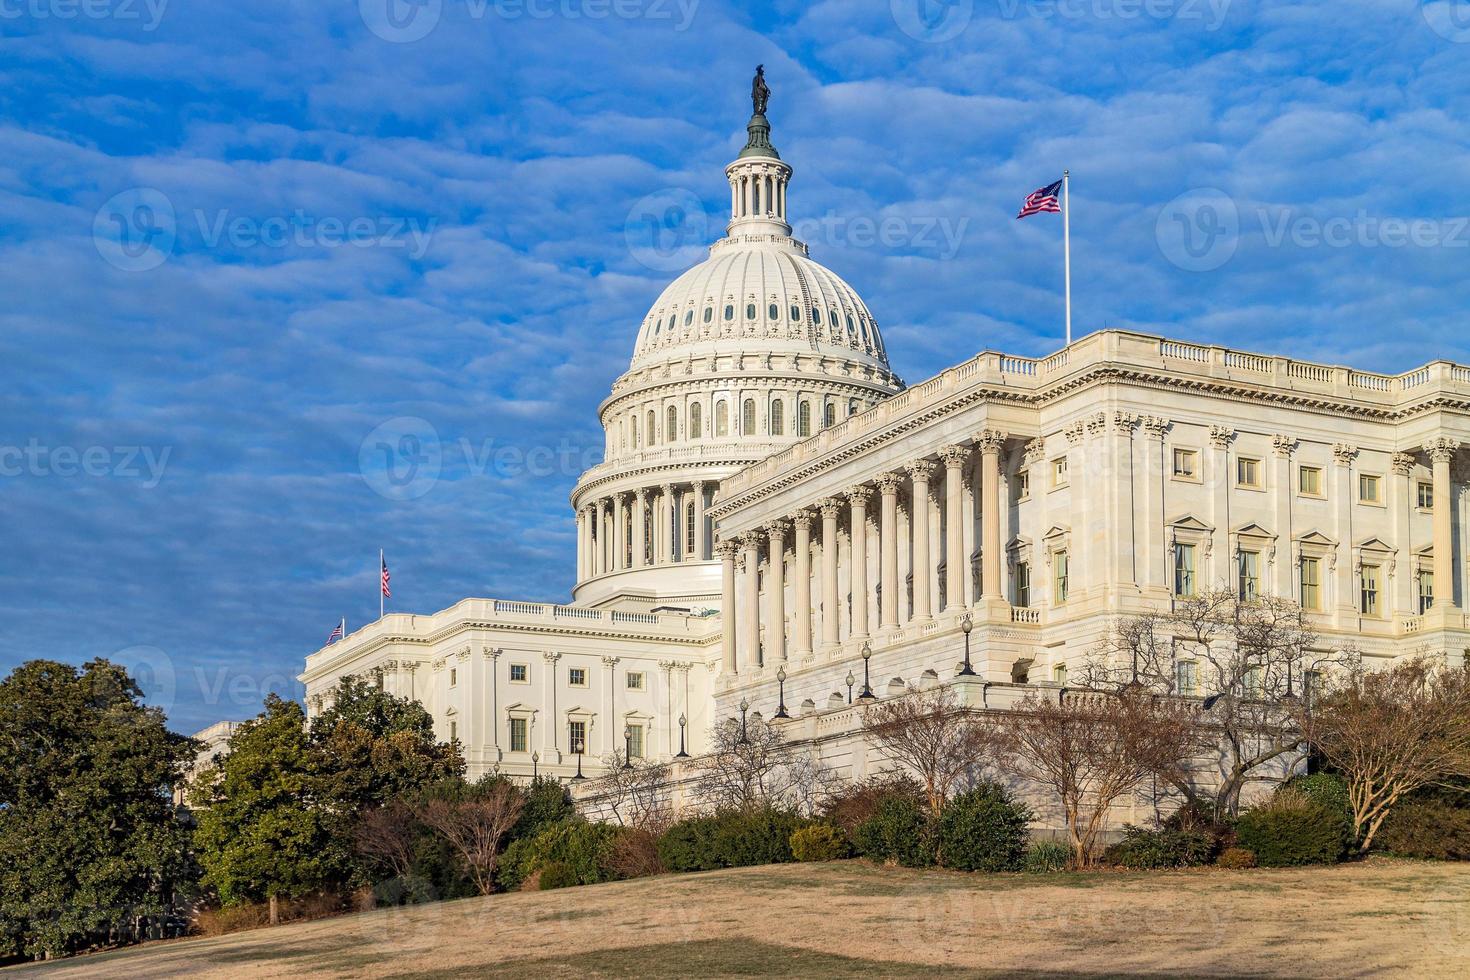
{"x":387,"y":592}
{"x":338,"y":632}
{"x":1047,"y":199}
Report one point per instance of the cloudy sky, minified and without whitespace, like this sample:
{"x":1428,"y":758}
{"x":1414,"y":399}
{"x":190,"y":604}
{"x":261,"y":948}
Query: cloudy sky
{"x":241,"y":242}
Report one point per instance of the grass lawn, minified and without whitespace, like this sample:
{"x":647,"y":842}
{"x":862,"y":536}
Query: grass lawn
{"x":1379,"y":918}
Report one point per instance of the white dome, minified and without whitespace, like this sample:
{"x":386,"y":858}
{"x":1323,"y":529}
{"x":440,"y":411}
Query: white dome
{"x":762,"y":289}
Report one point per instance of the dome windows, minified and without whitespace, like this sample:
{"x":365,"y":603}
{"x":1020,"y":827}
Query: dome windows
{"x":722,"y":418}
{"x":729,"y":311}
{"x":778,"y":418}
{"x":851,"y":328}
{"x":774,"y":312}
{"x":747,"y":417}
{"x":796,"y":313}
{"x":804,"y":419}
{"x":689,"y":317}
{"x":709,"y":314}
{"x":750,"y":311}
{"x":696,"y":420}
{"x":816,"y":316}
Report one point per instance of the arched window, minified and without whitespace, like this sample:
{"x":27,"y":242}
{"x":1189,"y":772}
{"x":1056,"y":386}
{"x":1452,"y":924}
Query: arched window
{"x":671,"y":424}
{"x":633,"y":428}
{"x":722,"y":418}
{"x":774,"y":312}
{"x":689,"y":528}
{"x":778,"y":418}
{"x":796,"y":313}
{"x":747,"y":417}
{"x":816,"y":316}
{"x":829,"y":416}
{"x":696,"y":420}
{"x":729,"y":311}
{"x":750,"y":311}
{"x":651,"y":436}
{"x":804,"y":419}
{"x":709,"y":313}
{"x":689,"y":316}
{"x":852,"y":407}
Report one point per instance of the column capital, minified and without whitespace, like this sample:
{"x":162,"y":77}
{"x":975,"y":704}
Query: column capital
{"x":1097,"y":423}
{"x":698,"y":485}
{"x":778,"y":529}
{"x":1403,"y":463}
{"x":1283,"y":445}
{"x":1124,"y":422}
{"x":727,"y":550}
{"x":990,"y":440}
{"x":1220,"y":436}
{"x":1154,"y":426}
{"x":1074,"y":432}
{"x":921,"y":470}
{"x":667,"y":489}
{"x":889,"y":483}
{"x":859,"y":494}
{"x":954,"y":455}
{"x":611,"y":661}
{"x":1442,"y":449}
{"x":752,"y":539}
{"x":830,"y":507}
{"x":1344,"y":454}
{"x":551,"y":658}
{"x":802,"y":520}
{"x":642,"y":494}
{"x":1035,"y":451}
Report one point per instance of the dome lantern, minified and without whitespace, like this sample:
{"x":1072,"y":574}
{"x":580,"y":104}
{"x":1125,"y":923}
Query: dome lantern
{"x":759,"y":176}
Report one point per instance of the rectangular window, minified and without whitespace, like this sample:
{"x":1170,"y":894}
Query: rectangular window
{"x":1252,"y":682}
{"x":577,"y":676}
{"x":1311,"y":583}
{"x":1186,"y":464}
{"x":577,"y":737}
{"x":1186,"y":677}
{"x":518,"y":736}
{"x":635,"y":680}
{"x":1368,"y":582}
{"x":635,"y":743}
{"x":1426,"y":496}
{"x":1023,"y":584}
{"x":1184,"y":569}
{"x":518,"y":673}
{"x":1250,"y":575}
{"x":1424,"y":583}
{"x":1248,"y":472}
{"x":1309,"y":481}
{"x":1370,"y":489}
{"x":1023,"y":484}
{"x":1059,"y":472}
{"x":453,"y":676}
{"x":1059,"y":571}
{"x":454,"y":731}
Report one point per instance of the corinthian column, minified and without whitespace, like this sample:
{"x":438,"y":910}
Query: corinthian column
{"x":776,"y":586}
{"x":921,"y":471}
{"x":698,"y":547}
{"x":1441,"y":454}
{"x":640,"y":531}
{"x":990,"y":442}
{"x":751,"y":621}
{"x":888,"y":484}
{"x":620,"y":532}
{"x":803,"y":522}
{"x":858,"y":497}
{"x":954,"y":540}
{"x":830,"y":509}
{"x":664,"y":540}
{"x":729,"y":616}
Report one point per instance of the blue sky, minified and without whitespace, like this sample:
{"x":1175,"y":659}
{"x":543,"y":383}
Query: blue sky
{"x":330,"y":222}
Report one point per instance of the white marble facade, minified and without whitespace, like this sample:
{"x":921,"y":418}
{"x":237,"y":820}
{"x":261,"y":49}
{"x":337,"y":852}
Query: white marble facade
{"x":772,"y":497}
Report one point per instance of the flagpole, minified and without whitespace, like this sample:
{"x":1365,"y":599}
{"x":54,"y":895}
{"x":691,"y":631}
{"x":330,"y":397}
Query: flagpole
{"x":1067,"y":247}
{"x":380,"y":583}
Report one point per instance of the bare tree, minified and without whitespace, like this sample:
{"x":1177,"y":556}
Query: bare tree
{"x":1091,"y":748}
{"x":929,"y":733}
{"x":476,"y":827}
{"x":752,"y":765}
{"x":1391,"y":732}
{"x":1252,"y":662}
{"x":635,"y":791}
{"x":385,"y":835}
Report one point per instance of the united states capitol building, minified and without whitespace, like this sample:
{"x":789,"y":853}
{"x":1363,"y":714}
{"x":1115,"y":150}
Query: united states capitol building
{"x":773,"y":499}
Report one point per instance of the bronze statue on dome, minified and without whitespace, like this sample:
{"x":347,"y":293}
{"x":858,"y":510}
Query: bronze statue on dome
{"x":760,"y":92}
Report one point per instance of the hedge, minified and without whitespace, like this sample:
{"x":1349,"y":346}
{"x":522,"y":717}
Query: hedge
{"x":983,"y":830}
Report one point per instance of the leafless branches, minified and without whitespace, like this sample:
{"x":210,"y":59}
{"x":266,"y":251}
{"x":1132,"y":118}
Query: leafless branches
{"x":753,"y":765}
{"x":929,"y":733}
{"x":385,"y":835}
{"x":636,"y":793}
{"x":475,"y":828}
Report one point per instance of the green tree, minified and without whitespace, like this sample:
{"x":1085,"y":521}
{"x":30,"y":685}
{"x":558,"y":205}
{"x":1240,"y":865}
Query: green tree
{"x":262,"y":833}
{"x":90,"y":840}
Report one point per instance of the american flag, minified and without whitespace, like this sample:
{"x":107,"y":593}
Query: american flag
{"x":387,"y":594}
{"x":336,"y":632}
{"x":1045,"y":199}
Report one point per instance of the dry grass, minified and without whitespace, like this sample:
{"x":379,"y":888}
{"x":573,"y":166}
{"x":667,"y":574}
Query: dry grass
{"x":1391,"y":918}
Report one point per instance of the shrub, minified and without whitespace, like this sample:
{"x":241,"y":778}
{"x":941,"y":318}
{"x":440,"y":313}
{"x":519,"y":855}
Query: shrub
{"x":819,"y":842}
{"x":854,"y":805}
{"x":1327,"y":790}
{"x":584,"y":848}
{"x":558,"y":874}
{"x":1291,"y":830}
{"x":898,"y":831}
{"x":1427,"y":828}
{"x":733,"y":839}
{"x":1236,"y":858}
{"x":983,"y":830}
{"x":547,"y":803}
{"x":1047,"y":856}
{"x":634,"y":854}
{"x":1150,"y":849}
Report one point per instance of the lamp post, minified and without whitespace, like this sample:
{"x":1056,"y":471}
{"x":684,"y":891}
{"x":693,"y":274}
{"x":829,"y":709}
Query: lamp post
{"x":781,"y":680}
{"x":967,"y":624}
{"x":579,"y":777}
{"x":535,"y":760}
{"x":867,"y":694}
{"x":851,"y":680}
{"x":682,"y":722}
{"x":627,"y":746}
{"x":744,"y":707}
